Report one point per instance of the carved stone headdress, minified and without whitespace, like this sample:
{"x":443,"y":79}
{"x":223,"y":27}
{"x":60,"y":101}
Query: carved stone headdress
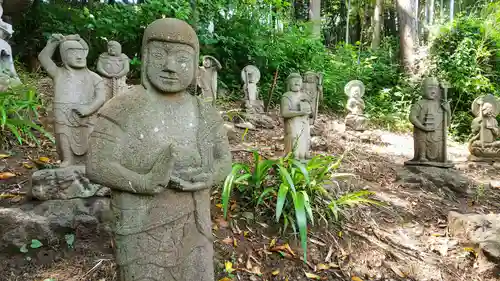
{"x":354,"y":83}
{"x":73,"y":41}
{"x":487,"y":99}
{"x":293,"y":75}
{"x":169,"y":30}
{"x":248,"y":69}
{"x":215,"y":62}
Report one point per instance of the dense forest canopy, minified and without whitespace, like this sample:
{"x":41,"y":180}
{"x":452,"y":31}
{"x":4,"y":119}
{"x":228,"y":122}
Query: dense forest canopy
{"x":388,"y":44}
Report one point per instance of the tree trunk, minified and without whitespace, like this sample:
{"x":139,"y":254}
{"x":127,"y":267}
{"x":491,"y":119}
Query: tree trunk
{"x":431,"y":12}
{"x":347,"y":22}
{"x":452,"y":9}
{"x":407,"y":32}
{"x":377,"y":24}
{"x":315,"y":16}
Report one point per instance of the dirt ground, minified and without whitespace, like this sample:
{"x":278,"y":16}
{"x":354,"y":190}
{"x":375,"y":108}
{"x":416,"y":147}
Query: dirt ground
{"x":404,"y":239}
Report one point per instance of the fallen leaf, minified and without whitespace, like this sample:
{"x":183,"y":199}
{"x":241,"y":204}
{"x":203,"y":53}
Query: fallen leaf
{"x":2,"y":156}
{"x":27,"y":165}
{"x":229,"y":267}
{"x":312,"y":276}
{"x":44,"y":159}
{"x":281,"y":248}
{"x":218,"y":206}
{"x":333,"y":265}
{"x":256,"y":270}
{"x":245,"y":233}
{"x":227,"y":240}
{"x":235,"y":243}
{"x":6,"y":175}
{"x":275,"y":272}
{"x":322,"y":266}
{"x":355,"y":278}
{"x":221,"y":222}
{"x":249,"y":264}
{"x":226,"y":279}
{"x":273,"y":242}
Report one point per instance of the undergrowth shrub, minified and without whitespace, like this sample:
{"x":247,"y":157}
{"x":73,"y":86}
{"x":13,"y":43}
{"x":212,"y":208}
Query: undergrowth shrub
{"x":298,"y":194}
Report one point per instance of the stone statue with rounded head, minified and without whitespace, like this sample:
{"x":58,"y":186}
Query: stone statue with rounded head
{"x":160,"y":149}
{"x":78,"y":94}
{"x":114,"y":66}
{"x":355,"y":119}
{"x":207,"y":78}
{"x":484,"y":145}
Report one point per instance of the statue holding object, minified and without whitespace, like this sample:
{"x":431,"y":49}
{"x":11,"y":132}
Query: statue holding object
{"x":355,"y":119}
{"x":430,"y":117}
{"x":78,"y":95}
{"x":114,"y":66}
{"x":484,"y":144}
{"x":251,"y":76}
{"x":207,"y":78}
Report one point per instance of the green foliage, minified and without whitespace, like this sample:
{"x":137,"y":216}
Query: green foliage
{"x":466,"y":54}
{"x":18,"y":113}
{"x":296,"y":192}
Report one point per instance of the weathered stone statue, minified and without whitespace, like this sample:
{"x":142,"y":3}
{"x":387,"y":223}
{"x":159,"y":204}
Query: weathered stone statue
{"x":78,"y":94}
{"x":160,"y":149}
{"x":8,"y":74}
{"x":355,"y":119}
{"x":296,"y":109}
{"x":313,"y":87}
{"x":251,"y":76}
{"x":484,"y":144}
{"x":207,"y":78}
{"x":430,"y":117}
{"x":114,"y":66}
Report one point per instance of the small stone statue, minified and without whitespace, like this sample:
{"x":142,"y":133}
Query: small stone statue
{"x":114,"y":66}
{"x":160,"y":149}
{"x":78,"y":94}
{"x":207,"y":78}
{"x":251,"y":76}
{"x":8,"y":74}
{"x":484,"y":144}
{"x":313,"y":87}
{"x":355,"y":119}
{"x":296,"y":109}
{"x":430,"y":117}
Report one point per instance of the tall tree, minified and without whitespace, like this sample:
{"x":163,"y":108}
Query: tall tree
{"x":315,"y":16}
{"x":408,"y":38}
{"x":347,"y":22}
{"x":377,"y":23}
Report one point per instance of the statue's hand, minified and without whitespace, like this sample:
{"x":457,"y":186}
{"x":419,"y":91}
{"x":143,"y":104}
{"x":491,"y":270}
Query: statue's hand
{"x":446,"y":106}
{"x":56,"y":38}
{"x":429,"y":129}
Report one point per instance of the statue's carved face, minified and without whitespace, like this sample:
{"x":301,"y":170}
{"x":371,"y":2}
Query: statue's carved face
{"x":487,"y":109}
{"x":76,"y":57}
{"x":250,"y":77}
{"x":295,"y":84}
{"x":170,"y":66}
{"x":207,"y":63}
{"x":356,"y":92}
{"x":310,"y":79}
{"x":114,"y":49}
{"x":431,"y":92}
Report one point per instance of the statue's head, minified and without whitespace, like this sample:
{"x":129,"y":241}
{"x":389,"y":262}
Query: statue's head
{"x":310,"y":77}
{"x":250,"y":74}
{"x":114,"y":48}
{"x":170,"y":51}
{"x":5,"y":30}
{"x":207,"y":62}
{"x":431,"y":88}
{"x":74,"y":52}
{"x":354,"y":89}
{"x":294,"y":82}
{"x":488,"y":110}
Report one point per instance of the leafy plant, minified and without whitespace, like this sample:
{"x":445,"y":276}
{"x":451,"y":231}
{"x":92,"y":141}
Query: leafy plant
{"x":297,"y":192}
{"x":18,"y":113}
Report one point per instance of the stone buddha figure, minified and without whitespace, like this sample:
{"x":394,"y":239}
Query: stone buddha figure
{"x":430,"y":117}
{"x":313,"y":87}
{"x":114,"y":66}
{"x":160,"y":149}
{"x":355,"y":119}
{"x":296,"y":109}
{"x":484,"y":145}
{"x":8,"y":74}
{"x":251,"y":76}
{"x":78,"y":95}
{"x":207,"y":78}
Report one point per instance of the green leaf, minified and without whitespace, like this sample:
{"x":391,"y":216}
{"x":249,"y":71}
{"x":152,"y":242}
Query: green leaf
{"x":300,"y":215}
{"x":282,"y":193}
{"x":23,"y":249}
{"x":35,"y":244}
{"x":70,"y":240}
{"x":307,"y":205}
{"x":263,"y":194}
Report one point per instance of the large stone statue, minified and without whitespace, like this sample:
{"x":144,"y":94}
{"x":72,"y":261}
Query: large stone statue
{"x":160,"y":149}
{"x":355,"y":119}
{"x":114,"y":66}
{"x":313,"y":87}
{"x":8,"y":74}
{"x":484,"y":144}
{"x":251,"y":76}
{"x":78,"y":94}
{"x":296,"y":109}
{"x":430,"y":117}
{"x":207,"y":78}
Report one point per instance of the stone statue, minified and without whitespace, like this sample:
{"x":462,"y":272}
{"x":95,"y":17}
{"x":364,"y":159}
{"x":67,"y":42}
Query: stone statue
{"x":78,"y":94}
{"x":355,"y":119}
{"x":160,"y":149}
{"x":207,"y":78}
{"x":430,"y":117}
{"x":313,"y":87}
{"x":296,"y":109}
{"x":114,"y":66}
{"x":251,"y":76}
{"x":484,"y":144}
{"x":8,"y":74}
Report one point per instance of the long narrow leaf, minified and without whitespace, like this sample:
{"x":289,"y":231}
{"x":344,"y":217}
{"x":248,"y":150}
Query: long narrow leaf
{"x":300,"y":215}
{"x":282,"y":193}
